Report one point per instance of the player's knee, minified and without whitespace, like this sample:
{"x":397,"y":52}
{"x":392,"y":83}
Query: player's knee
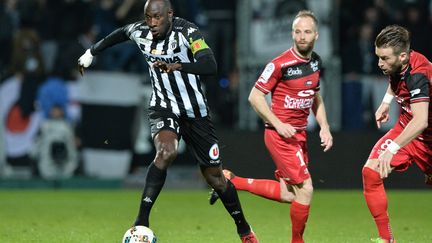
{"x":287,"y":197}
{"x":308,"y":189}
{"x":165,"y":156}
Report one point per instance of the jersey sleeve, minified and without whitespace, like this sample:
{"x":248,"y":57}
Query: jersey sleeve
{"x":130,"y":30}
{"x":418,"y":87}
{"x":195,"y":39}
{"x":268,"y":78}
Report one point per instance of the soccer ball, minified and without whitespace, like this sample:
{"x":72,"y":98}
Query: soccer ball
{"x":139,"y":234}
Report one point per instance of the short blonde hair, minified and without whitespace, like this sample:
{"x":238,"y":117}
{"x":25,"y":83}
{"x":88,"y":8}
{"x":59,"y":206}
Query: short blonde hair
{"x":307,"y":13}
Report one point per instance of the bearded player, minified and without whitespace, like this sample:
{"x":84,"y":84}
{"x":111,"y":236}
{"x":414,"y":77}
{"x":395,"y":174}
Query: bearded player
{"x":293,"y":79}
{"x":410,"y":140}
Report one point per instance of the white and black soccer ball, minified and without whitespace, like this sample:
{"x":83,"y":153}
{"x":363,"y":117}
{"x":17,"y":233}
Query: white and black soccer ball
{"x":139,"y":234}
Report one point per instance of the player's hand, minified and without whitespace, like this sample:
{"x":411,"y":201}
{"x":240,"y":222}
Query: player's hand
{"x":285,"y":130}
{"x":326,"y":139}
{"x":84,"y":61}
{"x":384,"y":161}
{"x":382,"y":114}
{"x":167,"y":67}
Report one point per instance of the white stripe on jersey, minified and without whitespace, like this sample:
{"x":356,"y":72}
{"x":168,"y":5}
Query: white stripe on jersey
{"x":158,"y":88}
{"x":174,"y":91}
{"x":184,"y":94}
{"x":198,"y":95}
{"x":170,"y":93}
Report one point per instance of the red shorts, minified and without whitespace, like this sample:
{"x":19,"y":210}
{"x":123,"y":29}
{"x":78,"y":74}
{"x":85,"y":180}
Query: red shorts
{"x":289,"y":155}
{"x":416,"y":151}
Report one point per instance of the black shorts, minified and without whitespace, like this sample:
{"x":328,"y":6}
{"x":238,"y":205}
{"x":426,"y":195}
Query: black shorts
{"x":199,"y":134}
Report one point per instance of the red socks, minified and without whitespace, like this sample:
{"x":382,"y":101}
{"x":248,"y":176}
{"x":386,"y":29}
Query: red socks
{"x":376,"y":200}
{"x":299,"y":216}
{"x":269,"y":189}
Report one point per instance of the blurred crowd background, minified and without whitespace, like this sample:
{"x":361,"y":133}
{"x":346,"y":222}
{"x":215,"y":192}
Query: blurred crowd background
{"x":48,"y":116}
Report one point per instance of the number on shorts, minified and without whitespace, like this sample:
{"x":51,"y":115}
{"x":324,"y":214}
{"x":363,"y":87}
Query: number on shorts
{"x":386,"y":144}
{"x":299,"y":154}
{"x":171,"y":122}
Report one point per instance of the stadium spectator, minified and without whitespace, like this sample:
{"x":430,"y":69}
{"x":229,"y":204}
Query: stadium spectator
{"x":293,"y":78}
{"x":410,"y":140}
{"x":179,"y":59}
{"x":17,"y":97}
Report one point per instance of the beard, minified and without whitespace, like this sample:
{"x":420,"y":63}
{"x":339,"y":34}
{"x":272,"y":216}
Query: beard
{"x":305,"y":49}
{"x":396,"y":68}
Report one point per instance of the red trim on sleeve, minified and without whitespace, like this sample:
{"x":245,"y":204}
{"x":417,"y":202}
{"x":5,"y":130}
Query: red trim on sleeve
{"x":262,"y":89}
{"x":421,"y":99}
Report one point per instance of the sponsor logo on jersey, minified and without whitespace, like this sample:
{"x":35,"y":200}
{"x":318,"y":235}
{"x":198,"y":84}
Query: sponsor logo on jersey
{"x":292,"y":71}
{"x":157,"y":52}
{"x":415,"y":92}
{"x":306,"y":93}
{"x":295,"y":103}
{"x":314,"y":65}
{"x":143,"y":41}
{"x":308,"y":83}
{"x":289,"y":63}
{"x":191,"y":30}
{"x":266,"y":74}
{"x":214,"y":152}
{"x":150,"y":58}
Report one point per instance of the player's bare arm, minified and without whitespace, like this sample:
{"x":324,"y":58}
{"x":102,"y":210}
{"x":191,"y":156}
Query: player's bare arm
{"x":321,"y":116}
{"x":259,"y":103}
{"x":167,"y":67}
{"x":382,"y":113}
{"x":414,"y":128}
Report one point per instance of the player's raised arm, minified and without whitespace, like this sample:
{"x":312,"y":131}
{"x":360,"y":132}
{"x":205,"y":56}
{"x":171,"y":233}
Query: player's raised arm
{"x":117,"y":36}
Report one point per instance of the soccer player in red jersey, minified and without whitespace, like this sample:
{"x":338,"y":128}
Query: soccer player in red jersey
{"x":410,"y":140}
{"x":293,"y":79}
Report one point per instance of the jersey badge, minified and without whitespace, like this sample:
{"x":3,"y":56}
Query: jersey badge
{"x":173,"y":45}
{"x":266,"y":74}
{"x":314,"y":66}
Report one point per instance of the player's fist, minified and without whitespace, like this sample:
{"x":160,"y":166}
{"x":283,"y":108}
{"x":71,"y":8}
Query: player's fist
{"x":84,"y":61}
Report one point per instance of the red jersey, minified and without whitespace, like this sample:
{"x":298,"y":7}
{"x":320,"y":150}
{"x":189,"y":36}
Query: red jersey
{"x":414,"y":85}
{"x":293,"y":82}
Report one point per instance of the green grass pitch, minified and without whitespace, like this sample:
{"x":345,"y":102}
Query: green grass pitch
{"x":185,"y":216}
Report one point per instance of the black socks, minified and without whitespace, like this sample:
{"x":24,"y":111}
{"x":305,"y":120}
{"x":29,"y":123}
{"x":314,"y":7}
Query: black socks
{"x":154,"y":182}
{"x":231,"y":202}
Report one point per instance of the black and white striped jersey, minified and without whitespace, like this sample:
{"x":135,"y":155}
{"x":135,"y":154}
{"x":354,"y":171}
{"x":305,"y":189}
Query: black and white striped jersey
{"x":177,"y":91}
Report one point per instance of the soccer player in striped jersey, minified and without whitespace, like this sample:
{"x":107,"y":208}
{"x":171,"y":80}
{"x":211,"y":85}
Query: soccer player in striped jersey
{"x":410,"y":140}
{"x":293,"y":79}
{"x":179,"y":60}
